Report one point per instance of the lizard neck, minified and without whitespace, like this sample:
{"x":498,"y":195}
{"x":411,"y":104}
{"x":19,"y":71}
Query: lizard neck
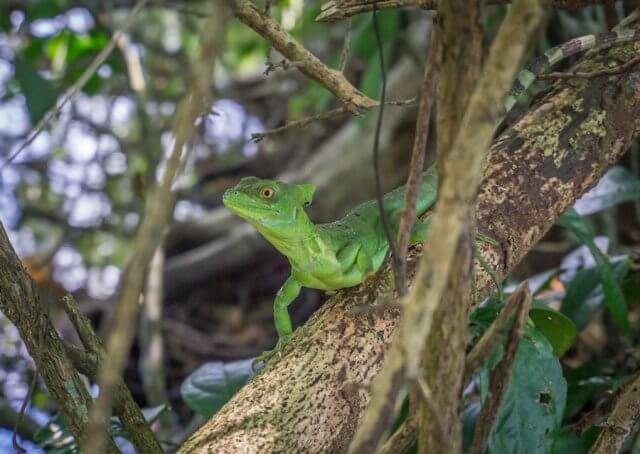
{"x":293,"y":237}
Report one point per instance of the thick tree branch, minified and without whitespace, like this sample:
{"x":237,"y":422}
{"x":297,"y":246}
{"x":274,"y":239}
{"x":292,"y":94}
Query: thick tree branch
{"x":341,"y":9}
{"x":536,"y":170}
{"x":444,"y":352}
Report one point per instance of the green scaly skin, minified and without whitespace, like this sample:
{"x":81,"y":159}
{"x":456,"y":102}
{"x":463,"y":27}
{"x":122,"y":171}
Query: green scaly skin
{"x":322,"y":256}
{"x":345,"y":252}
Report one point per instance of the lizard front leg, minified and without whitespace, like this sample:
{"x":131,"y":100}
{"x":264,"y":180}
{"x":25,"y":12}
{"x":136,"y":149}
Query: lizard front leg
{"x":285,"y":296}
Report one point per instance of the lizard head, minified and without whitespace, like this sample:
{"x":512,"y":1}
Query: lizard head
{"x":268,"y":203}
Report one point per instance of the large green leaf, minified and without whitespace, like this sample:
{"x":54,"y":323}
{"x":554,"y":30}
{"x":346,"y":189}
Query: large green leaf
{"x":559,"y":330}
{"x":212,"y":385}
{"x":616,"y":186}
{"x":39,"y":93}
{"x":533,"y":405}
{"x":614,"y":298}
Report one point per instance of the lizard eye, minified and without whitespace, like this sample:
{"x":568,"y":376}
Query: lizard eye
{"x":266,"y":193}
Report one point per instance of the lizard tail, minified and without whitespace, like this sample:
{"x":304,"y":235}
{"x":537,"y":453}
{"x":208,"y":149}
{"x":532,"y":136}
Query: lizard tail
{"x":543,"y":63}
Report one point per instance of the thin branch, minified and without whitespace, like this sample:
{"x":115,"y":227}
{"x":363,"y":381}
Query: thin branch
{"x":151,"y":231}
{"x":22,"y":412}
{"x":417,"y":158}
{"x":26,"y":429}
{"x":152,"y":356}
{"x":624,"y":416}
{"x":344,"y":56}
{"x":490,"y":339}
{"x":304,"y":122}
{"x":620,"y":69}
{"x":292,"y":50}
{"x":79,"y":84}
{"x":501,"y":375}
{"x":458,"y":190}
{"x":376,"y":147}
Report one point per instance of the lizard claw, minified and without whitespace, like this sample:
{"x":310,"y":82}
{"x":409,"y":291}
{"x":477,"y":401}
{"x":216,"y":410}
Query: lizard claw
{"x":265,"y":356}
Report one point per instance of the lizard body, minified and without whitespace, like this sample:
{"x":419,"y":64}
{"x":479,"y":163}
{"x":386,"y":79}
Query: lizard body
{"x":345,"y":252}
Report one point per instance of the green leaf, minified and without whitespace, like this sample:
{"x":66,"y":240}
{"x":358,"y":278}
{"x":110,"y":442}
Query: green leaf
{"x":559,"y":330}
{"x":39,"y":93}
{"x":212,"y":385}
{"x":584,"y":295}
{"x":614,"y":298}
{"x":533,"y":405}
{"x":616,"y":186}
{"x":469,"y":418}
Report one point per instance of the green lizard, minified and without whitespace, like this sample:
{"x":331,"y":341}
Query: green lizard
{"x":345,"y":252}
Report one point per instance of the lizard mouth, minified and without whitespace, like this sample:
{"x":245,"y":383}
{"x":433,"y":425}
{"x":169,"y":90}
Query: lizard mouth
{"x":245,"y":209}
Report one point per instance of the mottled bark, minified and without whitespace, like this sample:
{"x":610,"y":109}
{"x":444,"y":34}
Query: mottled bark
{"x":537,"y":168}
{"x":623,"y":418}
{"x":341,"y":9}
{"x":443,"y":356}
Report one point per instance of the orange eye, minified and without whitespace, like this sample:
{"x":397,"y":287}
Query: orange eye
{"x":266,"y":193}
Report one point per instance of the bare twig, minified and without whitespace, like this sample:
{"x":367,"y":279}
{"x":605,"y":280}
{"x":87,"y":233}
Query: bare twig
{"x":459,"y":191}
{"x":22,"y":412}
{"x":26,"y":429}
{"x":151,"y":363}
{"x":304,"y":122}
{"x":292,"y":50}
{"x":345,"y":47}
{"x":417,"y":158}
{"x":624,"y":416}
{"x":592,"y":74}
{"x":376,"y":146}
{"x":501,"y":374}
{"x":151,"y":231}
{"x":79,"y":84}
{"x":87,"y":363}
{"x":487,"y":343}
